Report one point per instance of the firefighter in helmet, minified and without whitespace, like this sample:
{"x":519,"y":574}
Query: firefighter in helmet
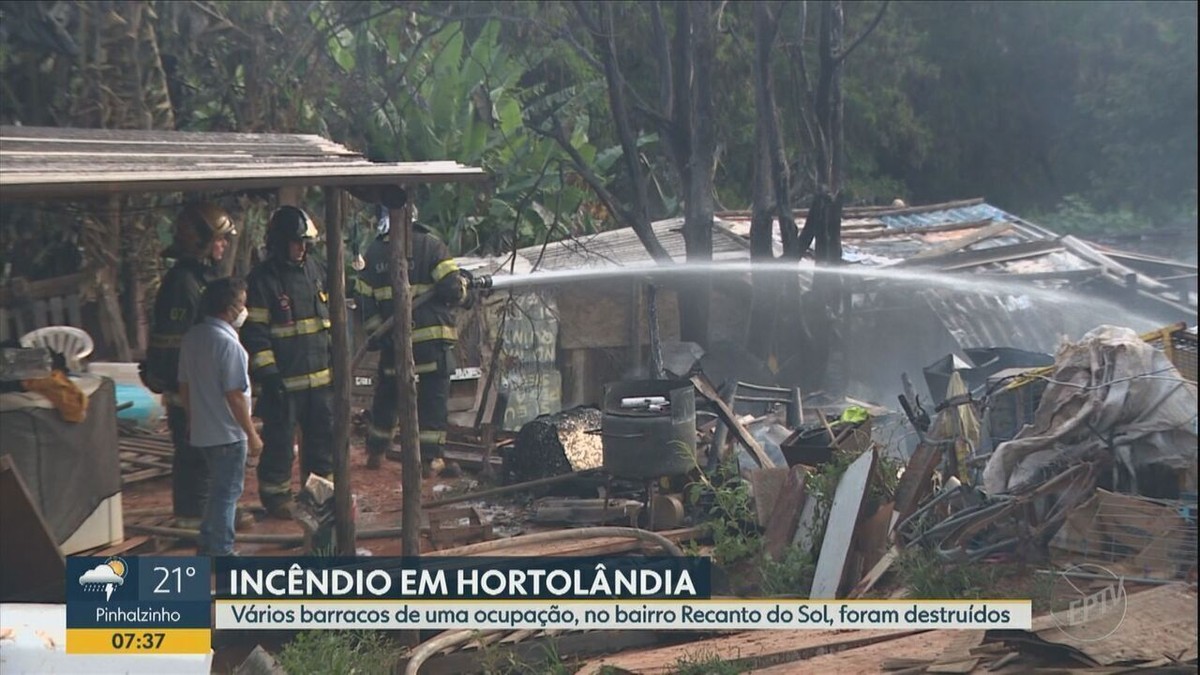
{"x":287,"y":335}
{"x":200,"y":240}
{"x":440,"y":286}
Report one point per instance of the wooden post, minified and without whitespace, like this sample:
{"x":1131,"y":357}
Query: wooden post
{"x":110,"y":277}
{"x":336,"y":283}
{"x":406,"y":381}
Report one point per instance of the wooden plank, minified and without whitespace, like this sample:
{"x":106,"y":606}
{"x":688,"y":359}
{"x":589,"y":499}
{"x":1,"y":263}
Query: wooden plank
{"x":567,"y":647}
{"x":960,"y":243}
{"x":914,"y":229}
{"x":839,"y":534}
{"x":912,"y":653}
{"x":804,"y":537}
{"x":726,"y":414}
{"x":46,"y":184}
{"x":957,"y":657}
{"x":589,"y":547}
{"x":915,"y":482}
{"x":781,"y":526}
{"x":743,"y":651}
{"x":1028,"y":249}
{"x":876,"y":573}
{"x":138,"y":461}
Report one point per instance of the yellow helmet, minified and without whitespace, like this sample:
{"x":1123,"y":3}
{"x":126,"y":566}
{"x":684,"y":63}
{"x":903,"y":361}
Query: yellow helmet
{"x":196,"y":228}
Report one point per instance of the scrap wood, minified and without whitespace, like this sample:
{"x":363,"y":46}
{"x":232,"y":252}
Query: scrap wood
{"x":957,"y":656}
{"x":593,"y":546}
{"x":915,"y":481}
{"x":844,"y":514}
{"x":746,"y":650}
{"x":568,"y":646}
{"x":876,"y":573}
{"x":908,"y":654}
{"x":1168,"y":613}
{"x":766,"y":485}
{"x":785,"y":517}
{"x":730,"y":419}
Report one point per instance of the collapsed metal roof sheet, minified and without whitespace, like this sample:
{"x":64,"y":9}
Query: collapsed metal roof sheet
{"x":67,"y":163}
{"x":968,"y":237}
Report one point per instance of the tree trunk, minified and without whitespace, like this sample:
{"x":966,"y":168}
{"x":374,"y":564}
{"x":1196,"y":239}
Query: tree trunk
{"x":764,"y":307}
{"x":695,"y":45}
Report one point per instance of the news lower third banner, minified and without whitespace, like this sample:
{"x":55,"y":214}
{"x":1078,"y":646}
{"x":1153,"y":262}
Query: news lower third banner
{"x":151,"y":605}
{"x":548,"y":593}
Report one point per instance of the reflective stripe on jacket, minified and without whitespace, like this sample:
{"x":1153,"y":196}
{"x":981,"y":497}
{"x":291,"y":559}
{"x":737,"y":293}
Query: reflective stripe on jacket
{"x":287,"y":329}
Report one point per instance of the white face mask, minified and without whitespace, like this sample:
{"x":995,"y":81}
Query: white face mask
{"x":241,"y":318}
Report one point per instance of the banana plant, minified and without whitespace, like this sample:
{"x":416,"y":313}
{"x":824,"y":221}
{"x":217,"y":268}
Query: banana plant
{"x":431,"y":92}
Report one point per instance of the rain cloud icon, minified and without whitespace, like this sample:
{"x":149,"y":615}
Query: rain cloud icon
{"x":104,"y":576}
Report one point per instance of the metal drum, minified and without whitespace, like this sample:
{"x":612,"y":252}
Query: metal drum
{"x":649,"y":428}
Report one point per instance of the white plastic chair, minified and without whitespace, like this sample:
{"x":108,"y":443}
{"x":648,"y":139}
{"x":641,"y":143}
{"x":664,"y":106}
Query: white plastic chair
{"x":73,"y":343}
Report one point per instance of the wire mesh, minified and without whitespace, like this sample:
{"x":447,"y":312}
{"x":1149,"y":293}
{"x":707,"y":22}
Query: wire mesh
{"x":1131,"y":536}
{"x":1180,"y":347}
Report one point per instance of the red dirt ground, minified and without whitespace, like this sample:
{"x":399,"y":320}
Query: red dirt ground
{"x":378,"y":493}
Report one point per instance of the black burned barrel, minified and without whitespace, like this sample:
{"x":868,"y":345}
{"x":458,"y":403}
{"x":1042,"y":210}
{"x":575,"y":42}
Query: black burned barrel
{"x":649,"y":428}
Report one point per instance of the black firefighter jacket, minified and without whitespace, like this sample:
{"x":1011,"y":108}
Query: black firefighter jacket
{"x":175,"y":311}
{"x":287,"y":329}
{"x":432,"y":270}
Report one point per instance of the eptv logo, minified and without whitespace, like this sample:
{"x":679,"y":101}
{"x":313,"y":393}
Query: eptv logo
{"x":1088,"y":602}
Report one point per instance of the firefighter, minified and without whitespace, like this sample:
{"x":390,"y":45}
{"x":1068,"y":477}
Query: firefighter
{"x":287,"y":335}
{"x":200,"y":240}
{"x":434,"y":277}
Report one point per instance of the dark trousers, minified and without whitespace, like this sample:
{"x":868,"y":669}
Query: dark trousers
{"x":433,"y":400}
{"x":189,"y":471}
{"x":312,"y":410}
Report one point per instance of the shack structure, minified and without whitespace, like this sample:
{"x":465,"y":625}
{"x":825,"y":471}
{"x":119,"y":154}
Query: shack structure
{"x":100,"y":166}
{"x":590,"y":333}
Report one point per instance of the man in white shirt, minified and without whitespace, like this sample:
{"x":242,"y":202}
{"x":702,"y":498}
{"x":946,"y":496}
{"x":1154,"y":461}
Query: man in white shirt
{"x":214,"y":384}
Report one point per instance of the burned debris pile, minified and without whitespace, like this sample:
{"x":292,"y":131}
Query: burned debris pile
{"x":1028,"y":477}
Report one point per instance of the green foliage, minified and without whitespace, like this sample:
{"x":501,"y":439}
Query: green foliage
{"x":927,"y":577}
{"x":791,"y":576}
{"x":704,"y":662}
{"x":495,"y":659}
{"x":733,"y":525}
{"x":1083,"y":112}
{"x":350,"y":652}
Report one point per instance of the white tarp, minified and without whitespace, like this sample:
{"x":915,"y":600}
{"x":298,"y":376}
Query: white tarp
{"x":1111,"y":390}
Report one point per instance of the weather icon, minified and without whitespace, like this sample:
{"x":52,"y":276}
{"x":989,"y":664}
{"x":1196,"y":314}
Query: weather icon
{"x":104,"y":577}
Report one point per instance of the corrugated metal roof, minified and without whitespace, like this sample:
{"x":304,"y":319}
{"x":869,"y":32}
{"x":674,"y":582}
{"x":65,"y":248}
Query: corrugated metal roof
{"x":962,"y":214}
{"x":622,"y":247}
{"x":46,"y":162}
{"x":1012,"y":320}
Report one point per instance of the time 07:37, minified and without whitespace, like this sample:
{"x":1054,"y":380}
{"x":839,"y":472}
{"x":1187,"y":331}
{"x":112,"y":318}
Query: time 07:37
{"x":138,"y":640}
